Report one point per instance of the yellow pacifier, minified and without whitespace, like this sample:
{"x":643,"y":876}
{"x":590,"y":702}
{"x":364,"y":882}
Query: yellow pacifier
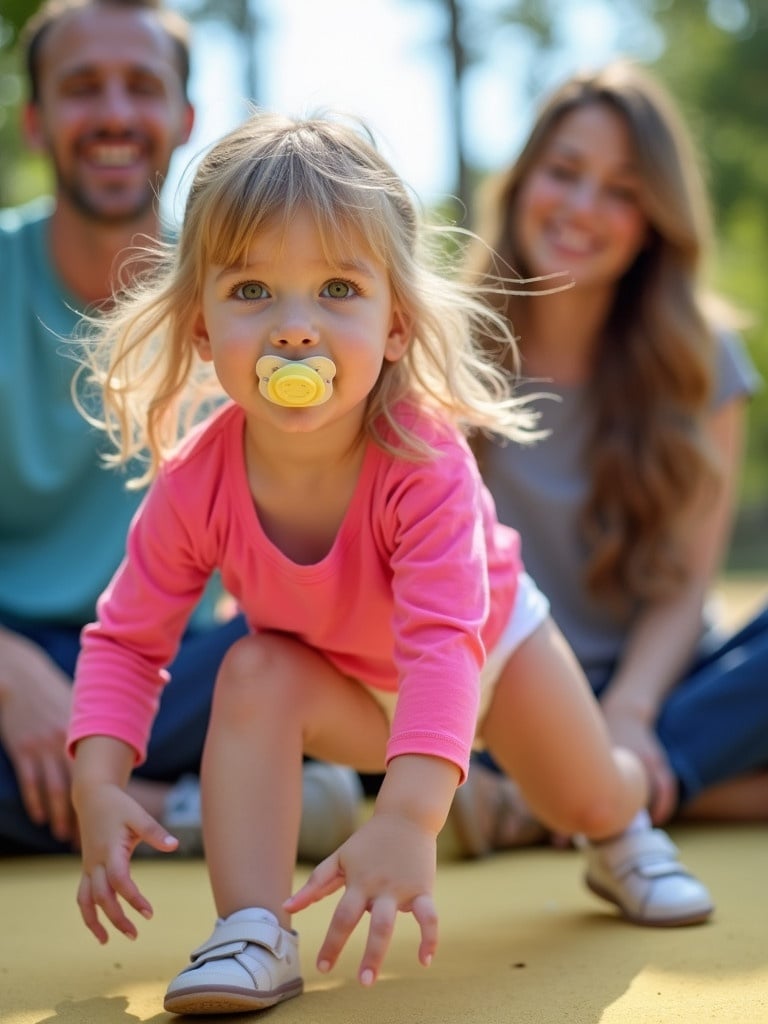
{"x":296,"y":383}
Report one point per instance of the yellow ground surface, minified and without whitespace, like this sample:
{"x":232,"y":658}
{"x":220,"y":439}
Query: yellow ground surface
{"x":522,"y":942}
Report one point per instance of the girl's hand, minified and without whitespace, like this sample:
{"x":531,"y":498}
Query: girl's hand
{"x":387,"y":866}
{"x":631,"y":731}
{"x":111,"y":826}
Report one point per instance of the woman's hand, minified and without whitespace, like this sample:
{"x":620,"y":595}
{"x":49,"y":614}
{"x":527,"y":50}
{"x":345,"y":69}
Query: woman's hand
{"x":387,"y":866}
{"x":629,"y":729}
{"x":112,"y":825}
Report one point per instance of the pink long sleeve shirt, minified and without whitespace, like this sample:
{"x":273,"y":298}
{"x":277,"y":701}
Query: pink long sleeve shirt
{"x":418,"y":585}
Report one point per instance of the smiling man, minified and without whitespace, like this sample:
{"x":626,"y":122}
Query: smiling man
{"x":107,"y":105}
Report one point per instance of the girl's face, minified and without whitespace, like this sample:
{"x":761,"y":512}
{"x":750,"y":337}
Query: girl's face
{"x":578,"y":210}
{"x":292,"y":300}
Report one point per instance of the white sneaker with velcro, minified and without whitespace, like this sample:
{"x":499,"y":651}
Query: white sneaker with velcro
{"x":248,"y":963}
{"x":640,"y":872}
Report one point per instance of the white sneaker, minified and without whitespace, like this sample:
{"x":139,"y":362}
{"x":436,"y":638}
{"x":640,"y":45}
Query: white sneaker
{"x":331,"y":799}
{"x":640,"y":873}
{"x":248,"y":963}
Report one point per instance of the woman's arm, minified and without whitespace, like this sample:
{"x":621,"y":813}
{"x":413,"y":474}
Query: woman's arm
{"x":662,"y":642}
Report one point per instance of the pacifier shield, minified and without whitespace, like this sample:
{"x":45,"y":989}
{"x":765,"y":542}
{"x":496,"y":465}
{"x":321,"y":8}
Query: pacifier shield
{"x":296,"y":383}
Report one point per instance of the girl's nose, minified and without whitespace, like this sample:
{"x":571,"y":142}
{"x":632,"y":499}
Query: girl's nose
{"x":295,"y":330}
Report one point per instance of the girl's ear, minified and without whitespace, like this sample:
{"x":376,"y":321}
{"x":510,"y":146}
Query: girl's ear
{"x":399,"y":336}
{"x":200,"y":338}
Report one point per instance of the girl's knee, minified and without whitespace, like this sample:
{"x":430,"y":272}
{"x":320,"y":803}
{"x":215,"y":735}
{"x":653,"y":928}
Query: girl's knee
{"x":609,"y":809}
{"x":598,"y":818}
{"x":257,"y":672}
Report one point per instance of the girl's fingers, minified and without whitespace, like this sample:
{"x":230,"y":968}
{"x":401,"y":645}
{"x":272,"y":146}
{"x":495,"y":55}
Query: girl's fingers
{"x":326,"y":879}
{"x":104,"y":896}
{"x":158,"y":838}
{"x":426,"y":917}
{"x":346,"y":917}
{"x":383,"y":915}
{"x":88,"y":910}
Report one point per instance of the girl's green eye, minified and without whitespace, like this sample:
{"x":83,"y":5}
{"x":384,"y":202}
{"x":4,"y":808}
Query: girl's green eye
{"x":338,"y":289}
{"x":252,"y":290}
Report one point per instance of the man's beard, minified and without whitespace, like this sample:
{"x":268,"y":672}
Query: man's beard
{"x":99,"y":210}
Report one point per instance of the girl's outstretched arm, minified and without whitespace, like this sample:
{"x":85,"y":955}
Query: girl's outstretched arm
{"x":388,"y":865}
{"x":111,"y":826}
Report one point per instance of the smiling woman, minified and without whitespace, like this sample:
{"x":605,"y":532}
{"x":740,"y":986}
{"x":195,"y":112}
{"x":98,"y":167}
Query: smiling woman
{"x":625,"y":509}
{"x":579,"y":212}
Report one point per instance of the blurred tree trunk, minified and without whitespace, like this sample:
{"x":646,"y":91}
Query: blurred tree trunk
{"x":244,"y":19}
{"x":458,"y":57}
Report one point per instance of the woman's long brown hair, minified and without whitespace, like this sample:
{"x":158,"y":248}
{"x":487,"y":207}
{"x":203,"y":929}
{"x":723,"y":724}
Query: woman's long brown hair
{"x":648,"y":457}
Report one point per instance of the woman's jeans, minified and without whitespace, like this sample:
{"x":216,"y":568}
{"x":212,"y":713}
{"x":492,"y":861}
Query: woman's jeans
{"x":714,"y":724}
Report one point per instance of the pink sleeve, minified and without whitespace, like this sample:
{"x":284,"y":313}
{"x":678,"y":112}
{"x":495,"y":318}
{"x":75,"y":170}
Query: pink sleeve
{"x":441,"y":602}
{"x":141,"y":617}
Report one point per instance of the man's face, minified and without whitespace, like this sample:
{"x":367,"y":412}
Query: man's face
{"x":111,"y":110}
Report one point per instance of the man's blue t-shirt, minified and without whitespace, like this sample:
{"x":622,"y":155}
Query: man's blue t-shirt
{"x":63,"y":516}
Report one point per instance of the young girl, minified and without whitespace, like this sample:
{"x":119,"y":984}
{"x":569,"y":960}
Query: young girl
{"x":627,"y":505}
{"x":337,"y":496}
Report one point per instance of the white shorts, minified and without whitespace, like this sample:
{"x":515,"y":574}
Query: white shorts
{"x":530,"y":609}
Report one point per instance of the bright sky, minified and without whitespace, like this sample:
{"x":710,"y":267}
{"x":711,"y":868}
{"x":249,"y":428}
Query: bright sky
{"x":383,"y":60}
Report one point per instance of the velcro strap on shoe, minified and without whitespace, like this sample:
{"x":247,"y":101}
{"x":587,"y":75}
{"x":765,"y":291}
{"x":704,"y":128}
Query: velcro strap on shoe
{"x":652,"y":853}
{"x":222,"y":952}
{"x":231,"y":938}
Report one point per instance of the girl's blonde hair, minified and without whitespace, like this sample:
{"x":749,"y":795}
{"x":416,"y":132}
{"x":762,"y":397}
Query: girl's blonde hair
{"x":652,"y":377}
{"x":152,"y":384}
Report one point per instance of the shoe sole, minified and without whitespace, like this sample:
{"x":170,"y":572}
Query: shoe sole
{"x":211,"y":999}
{"x":699,"y":917}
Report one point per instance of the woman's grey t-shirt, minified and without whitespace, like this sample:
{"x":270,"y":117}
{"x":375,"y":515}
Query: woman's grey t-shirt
{"x":540,"y":489}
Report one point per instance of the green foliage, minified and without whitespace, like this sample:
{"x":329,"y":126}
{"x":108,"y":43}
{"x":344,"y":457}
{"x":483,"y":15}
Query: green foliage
{"x":714,"y":61}
{"x":20,"y":175}
{"x":716,"y":66}
{"x":13,"y":16}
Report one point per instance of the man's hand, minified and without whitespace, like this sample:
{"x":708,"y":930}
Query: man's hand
{"x":35,"y":697}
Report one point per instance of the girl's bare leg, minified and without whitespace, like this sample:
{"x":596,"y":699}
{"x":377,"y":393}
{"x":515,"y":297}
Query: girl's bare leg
{"x":275,"y":700}
{"x":545,"y":729}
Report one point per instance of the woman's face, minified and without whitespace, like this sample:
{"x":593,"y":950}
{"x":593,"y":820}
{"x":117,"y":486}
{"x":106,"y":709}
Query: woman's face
{"x":578,"y":211}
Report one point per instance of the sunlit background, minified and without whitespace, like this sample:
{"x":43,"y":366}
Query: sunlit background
{"x":390,"y":62}
{"x":449,"y":87}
